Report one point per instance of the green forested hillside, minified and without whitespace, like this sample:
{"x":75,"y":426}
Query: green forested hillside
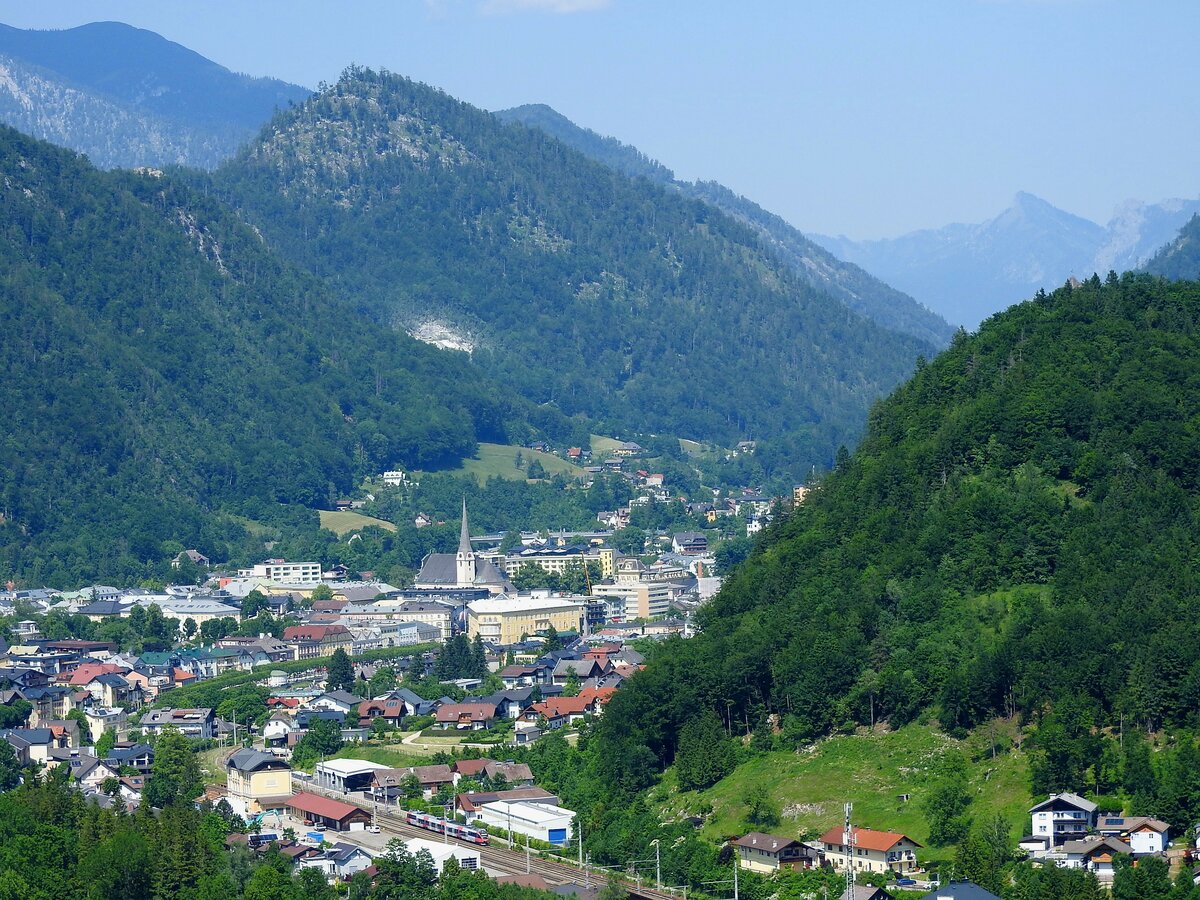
{"x":161,"y":364}
{"x":1181,"y":257}
{"x":861,"y":292}
{"x":580,"y":289}
{"x":1019,"y":526}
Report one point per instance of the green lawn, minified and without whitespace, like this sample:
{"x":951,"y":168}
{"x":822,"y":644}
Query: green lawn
{"x":343,"y":521}
{"x":871,"y":771}
{"x":603,"y":446}
{"x":497,"y":460}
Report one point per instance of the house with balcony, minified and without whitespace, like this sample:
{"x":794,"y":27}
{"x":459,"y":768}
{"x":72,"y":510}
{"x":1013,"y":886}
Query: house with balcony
{"x":767,"y":853}
{"x":1061,"y":818}
{"x":867,"y":850}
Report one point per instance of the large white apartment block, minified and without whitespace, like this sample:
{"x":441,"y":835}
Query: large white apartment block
{"x":281,"y":571}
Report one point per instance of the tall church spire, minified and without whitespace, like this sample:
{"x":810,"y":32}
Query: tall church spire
{"x":464,"y":537}
{"x":464,"y":559}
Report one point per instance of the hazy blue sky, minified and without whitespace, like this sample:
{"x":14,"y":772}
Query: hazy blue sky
{"x":865,"y":118}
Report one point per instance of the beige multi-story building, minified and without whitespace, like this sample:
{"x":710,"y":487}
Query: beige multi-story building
{"x":636,"y":600}
{"x":257,"y":782}
{"x":505,"y":619}
{"x":870,"y":851}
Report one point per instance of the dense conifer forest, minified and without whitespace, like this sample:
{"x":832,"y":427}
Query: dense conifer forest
{"x":581,"y":289}
{"x":1016,"y":535}
{"x":161,"y":364}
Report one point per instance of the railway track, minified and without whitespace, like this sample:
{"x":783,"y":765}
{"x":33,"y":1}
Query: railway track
{"x":501,"y":859}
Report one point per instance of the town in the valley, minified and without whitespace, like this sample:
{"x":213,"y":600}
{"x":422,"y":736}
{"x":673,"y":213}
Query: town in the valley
{"x":323,"y":679}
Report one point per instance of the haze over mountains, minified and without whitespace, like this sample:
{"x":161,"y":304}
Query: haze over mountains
{"x":968,"y":272}
{"x":128,"y":97}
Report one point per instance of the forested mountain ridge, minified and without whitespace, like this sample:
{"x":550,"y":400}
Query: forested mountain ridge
{"x":161,"y":364}
{"x":1181,"y":257}
{"x":577,"y":287}
{"x":844,"y":281}
{"x":128,"y":97}
{"x":1017,"y":531}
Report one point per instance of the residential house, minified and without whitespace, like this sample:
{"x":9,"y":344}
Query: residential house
{"x":131,"y":756}
{"x":341,"y":701}
{"x":870,"y":851}
{"x":513,"y":774}
{"x":193,"y":723}
{"x":1145,"y":835}
{"x":1094,"y":853}
{"x":32,"y":746}
{"x":441,"y":853}
{"x":557,"y":712}
{"x":466,"y":716}
{"x":342,"y":861}
{"x":690,"y":543}
{"x":760,"y":852}
{"x":581,"y":669}
{"x":388,"y":785}
{"x":1063,"y":817}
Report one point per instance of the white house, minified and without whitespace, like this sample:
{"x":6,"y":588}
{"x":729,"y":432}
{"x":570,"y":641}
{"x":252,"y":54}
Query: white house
{"x":1144,"y":834}
{"x":540,"y":821}
{"x":1063,"y":817}
{"x":1096,"y":855}
{"x":468,"y":857}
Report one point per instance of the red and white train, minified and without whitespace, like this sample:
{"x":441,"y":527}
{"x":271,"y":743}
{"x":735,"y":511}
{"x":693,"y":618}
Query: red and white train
{"x":446,"y":826}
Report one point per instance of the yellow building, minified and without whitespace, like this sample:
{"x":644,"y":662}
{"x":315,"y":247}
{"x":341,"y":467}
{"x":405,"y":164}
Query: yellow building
{"x":257,"y":782}
{"x":505,"y":619}
{"x":559,"y":559}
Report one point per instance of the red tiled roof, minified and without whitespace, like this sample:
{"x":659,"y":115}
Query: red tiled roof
{"x":85,"y":672}
{"x":470,"y":767}
{"x":880,"y":841}
{"x":591,"y":694}
{"x":323,"y":806}
{"x":561,"y":706}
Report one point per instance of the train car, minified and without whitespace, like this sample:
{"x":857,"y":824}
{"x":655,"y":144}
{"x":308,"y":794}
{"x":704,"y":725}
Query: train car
{"x":439,"y":825}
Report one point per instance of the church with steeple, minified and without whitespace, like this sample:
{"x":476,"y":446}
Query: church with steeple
{"x":463,"y":569}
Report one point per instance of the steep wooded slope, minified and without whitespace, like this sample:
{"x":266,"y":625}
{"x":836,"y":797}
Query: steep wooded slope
{"x":160,"y":363}
{"x":577,"y":286}
{"x":1181,"y":257}
{"x":128,"y":97}
{"x":861,"y":292}
{"x":1019,"y":525}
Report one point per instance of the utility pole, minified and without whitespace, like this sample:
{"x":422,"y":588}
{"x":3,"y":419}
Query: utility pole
{"x":848,"y":842}
{"x":657,"y":864}
{"x":737,"y":864}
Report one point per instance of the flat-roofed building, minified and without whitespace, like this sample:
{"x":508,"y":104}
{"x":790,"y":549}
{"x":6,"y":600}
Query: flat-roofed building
{"x":540,"y":821}
{"x":507,"y":619}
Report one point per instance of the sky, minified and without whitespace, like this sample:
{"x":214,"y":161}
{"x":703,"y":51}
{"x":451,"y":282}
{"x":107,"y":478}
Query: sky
{"x":869,"y":119}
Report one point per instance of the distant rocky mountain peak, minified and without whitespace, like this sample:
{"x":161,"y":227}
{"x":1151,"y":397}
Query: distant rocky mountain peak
{"x":967,"y":272}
